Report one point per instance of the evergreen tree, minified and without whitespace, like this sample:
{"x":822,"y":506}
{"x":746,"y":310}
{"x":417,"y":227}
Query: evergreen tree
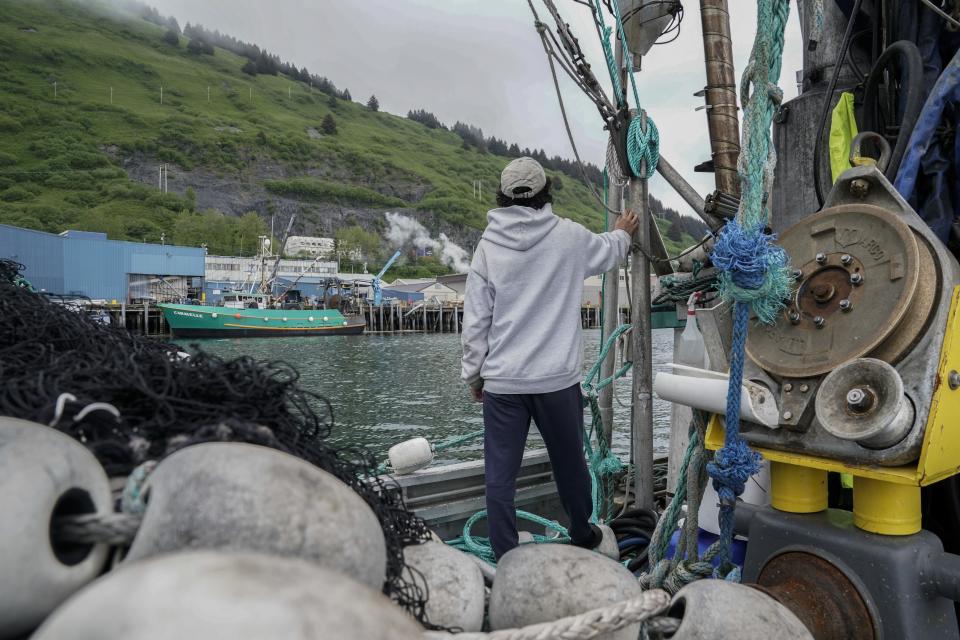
{"x":346,"y":95}
{"x":250,"y":68}
{"x":329,"y":125}
{"x":373,"y":104}
{"x":332,"y":102}
{"x":171,"y":37}
{"x":425,"y":118}
{"x":198,"y":46}
{"x":674,"y":233}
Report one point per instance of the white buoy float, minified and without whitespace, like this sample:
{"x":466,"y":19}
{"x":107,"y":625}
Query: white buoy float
{"x":45,"y":474}
{"x":452,"y":581}
{"x":410,"y":455}
{"x":246,"y":497}
{"x":545,"y":582}
{"x":219,"y":595}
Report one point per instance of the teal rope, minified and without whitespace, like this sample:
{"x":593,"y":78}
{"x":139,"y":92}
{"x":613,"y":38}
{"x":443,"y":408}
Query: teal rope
{"x":754,"y":273}
{"x":480,"y":546}
{"x":447,"y":444}
{"x":643,"y":137}
{"x":590,"y":387}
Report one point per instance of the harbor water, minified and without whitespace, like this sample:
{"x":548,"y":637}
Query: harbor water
{"x":387,"y":388}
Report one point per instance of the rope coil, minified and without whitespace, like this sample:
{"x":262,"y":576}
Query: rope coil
{"x":647,"y":608}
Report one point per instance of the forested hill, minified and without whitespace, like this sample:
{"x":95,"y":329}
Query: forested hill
{"x":95,"y":98}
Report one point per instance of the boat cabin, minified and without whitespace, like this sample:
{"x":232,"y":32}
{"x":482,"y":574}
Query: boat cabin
{"x":243,"y":300}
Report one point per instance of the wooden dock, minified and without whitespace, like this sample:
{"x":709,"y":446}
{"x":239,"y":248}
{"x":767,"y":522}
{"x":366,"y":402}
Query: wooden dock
{"x":418,"y":317}
{"x":148,"y":320}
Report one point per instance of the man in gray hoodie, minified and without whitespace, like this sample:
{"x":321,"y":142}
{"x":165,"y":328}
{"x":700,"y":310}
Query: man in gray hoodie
{"x":522,"y":346}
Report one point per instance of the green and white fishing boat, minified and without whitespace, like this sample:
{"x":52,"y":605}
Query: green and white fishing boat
{"x":245,"y":315}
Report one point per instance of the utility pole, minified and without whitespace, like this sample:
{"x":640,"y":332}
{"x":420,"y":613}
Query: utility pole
{"x":721,"y":95}
{"x":160,"y":179}
{"x":288,"y":91}
{"x":166,"y":174}
{"x":161,"y":94}
{"x":641,"y":418}
{"x":208,"y":93}
{"x":111,"y":95}
{"x":54,"y":89}
{"x":251,"y":93}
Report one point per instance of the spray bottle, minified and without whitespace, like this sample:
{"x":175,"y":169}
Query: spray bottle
{"x":691,"y":351}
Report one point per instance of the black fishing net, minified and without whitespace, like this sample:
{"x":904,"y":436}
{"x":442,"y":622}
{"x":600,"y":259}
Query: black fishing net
{"x":59,"y":367}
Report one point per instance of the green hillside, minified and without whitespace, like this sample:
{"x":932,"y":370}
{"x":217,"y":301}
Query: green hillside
{"x":84,"y":130}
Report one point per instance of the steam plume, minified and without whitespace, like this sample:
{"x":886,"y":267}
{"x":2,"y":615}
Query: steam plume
{"x":404,"y":230}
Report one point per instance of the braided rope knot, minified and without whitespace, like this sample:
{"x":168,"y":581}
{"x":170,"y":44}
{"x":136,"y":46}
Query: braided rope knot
{"x":643,"y":145}
{"x":757,"y":82}
{"x":732,"y":466}
{"x":752,"y":268}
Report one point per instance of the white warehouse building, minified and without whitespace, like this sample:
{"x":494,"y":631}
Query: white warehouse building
{"x":309,"y":245}
{"x":246,"y":270}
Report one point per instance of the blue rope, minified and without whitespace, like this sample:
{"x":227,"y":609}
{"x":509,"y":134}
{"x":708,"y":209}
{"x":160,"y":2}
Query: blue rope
{"x":735,"y":462}
{"x":754,"y":273}
{"x":945,"y":90}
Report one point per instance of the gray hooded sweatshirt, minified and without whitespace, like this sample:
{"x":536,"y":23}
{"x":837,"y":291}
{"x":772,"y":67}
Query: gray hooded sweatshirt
{"x":521,"y":317}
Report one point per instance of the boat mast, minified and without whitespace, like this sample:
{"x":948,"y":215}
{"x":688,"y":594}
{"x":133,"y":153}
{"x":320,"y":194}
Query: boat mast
{"x":720,"y":95}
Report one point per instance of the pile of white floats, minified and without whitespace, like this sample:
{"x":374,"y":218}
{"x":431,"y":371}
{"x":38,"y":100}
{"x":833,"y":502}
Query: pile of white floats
{"x":236,"y":541}
{"x":243,"y":542}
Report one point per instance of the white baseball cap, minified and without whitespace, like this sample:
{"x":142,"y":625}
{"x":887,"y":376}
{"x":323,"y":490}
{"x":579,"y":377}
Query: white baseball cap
{"x":522,"y":178}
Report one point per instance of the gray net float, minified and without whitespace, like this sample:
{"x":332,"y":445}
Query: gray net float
{"x":45,"y":475}
{"x":213,"y":595}
{"x":453,"y":582}
{"x":545,"y":582}
{"x":238,"y":496}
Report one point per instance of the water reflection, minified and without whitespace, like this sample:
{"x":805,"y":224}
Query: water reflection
{"x":387,"y":388}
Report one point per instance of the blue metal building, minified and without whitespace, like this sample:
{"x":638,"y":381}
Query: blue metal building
{"x":87,"y":263}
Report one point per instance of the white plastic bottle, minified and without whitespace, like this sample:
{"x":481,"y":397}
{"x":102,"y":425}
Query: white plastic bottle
{"x":691,"y":351}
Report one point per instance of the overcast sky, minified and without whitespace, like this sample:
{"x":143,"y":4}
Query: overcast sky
{"x":481,"y":62}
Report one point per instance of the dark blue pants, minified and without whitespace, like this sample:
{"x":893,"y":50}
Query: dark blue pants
{"x":506,"y":421}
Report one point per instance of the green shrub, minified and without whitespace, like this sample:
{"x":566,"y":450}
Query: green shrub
{"x":323,"y":191}
{"x":7,"y":159}
{"x":86,"y":160}
{"x":79,"y":181}
{"x":9,"y":124}
{"x":448,"y":205}
{"x":106,"y":173}
{"x":20,"y":219}
{"x":16,"y":194}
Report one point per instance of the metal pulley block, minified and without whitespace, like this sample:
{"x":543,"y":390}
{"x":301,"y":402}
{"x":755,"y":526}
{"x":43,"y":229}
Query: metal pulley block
{"x":644,"y":21}
{"x":862,"y":286}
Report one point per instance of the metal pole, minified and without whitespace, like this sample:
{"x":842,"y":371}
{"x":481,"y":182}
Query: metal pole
{"x":611,"y":288}
{"x":641,"y":420}
{"x":721,"y":95}
{"x":686,"y":191}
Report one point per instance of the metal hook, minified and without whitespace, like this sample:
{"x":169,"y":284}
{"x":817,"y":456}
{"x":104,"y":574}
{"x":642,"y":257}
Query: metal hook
{"x":858,"y":160}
